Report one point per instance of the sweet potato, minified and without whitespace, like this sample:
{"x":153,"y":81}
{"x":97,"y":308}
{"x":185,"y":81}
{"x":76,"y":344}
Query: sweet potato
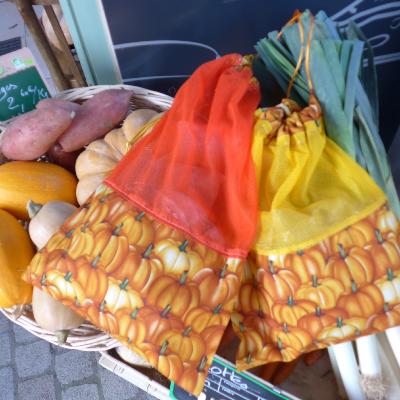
{"x":96,"y":117}
{"x":30,"y":135}
{"x":60,"y":157}
{"x":58,"y":103}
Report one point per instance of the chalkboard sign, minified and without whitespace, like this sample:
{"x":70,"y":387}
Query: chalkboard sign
{"x":21,"y":85}
{"x":225,"y":383}
{"x":159,"y":44}
{"x":20,"y":92}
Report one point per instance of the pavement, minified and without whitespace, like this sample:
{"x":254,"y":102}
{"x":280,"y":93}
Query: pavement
{"x":33,"y":369}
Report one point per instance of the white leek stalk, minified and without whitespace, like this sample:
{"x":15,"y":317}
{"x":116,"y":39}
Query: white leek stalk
{"x":393,"y":335}
{"x":370,"y":367}
{"x":348,"y":368}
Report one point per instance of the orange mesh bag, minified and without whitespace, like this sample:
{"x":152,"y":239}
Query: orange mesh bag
{"x":155,"y":256}
{"x":194,"y":171}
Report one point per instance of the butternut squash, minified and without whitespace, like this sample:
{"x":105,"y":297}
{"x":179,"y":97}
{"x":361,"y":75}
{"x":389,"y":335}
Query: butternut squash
{"x":21,"y":181}
{"x":16,"y":251}
{"x":53,"y":316}
{"x":46,"y":219}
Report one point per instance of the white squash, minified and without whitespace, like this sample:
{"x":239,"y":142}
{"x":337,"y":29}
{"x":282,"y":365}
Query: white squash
{"x":46,"y":219}
{"x":131,"y":357}
{"x":135,"y":121}
{"x":53,"y":316}
{"x":101,"y":156}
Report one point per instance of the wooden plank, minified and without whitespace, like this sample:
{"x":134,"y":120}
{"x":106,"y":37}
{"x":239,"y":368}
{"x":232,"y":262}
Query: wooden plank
{"x":69,"y":59}
{"x":28,"y":14}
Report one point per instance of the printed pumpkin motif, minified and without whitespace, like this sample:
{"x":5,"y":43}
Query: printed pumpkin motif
{"x":188,"y":344}
{"x":131,"y":329}
{"x":170,"y":300}
{"x":323,"y":292}
{"x":140,"y":269}
{"x":355,"y":265}
{"x":306,"y":264}
{"x":385,"y":252}
{"x":178,"y":257}
{"x":216,"y":287}
{"x":180,"y":295}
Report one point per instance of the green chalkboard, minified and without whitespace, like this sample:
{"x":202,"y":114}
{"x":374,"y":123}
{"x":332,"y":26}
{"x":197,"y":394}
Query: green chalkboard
{"x":20,"y":91}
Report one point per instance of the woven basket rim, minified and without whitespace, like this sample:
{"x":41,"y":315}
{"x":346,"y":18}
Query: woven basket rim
{"x":87,"y":337}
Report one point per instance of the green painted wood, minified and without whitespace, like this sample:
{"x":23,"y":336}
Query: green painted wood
{"x":89,"y":30}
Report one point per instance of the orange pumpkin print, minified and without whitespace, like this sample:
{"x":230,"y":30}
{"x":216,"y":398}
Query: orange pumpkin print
{"x":389,"y":286}
{"x":62,"y":286}
{"x":292,"y":311}
{"x":168,"y":365}
{"x":158,"y":322}
{"x":188,"y":344}
{"x":259,"y":323}
{"x":193,"y":376}
{"x":387,"y":318}
{"x":385,"y":252}
{"x":139,"y":269}
{"x":251,"y":342}
{"x":37,"y":267}
{"x":280,"y":283}
{"x":130,"y":328}
{"x":386,"y":220}
{"x":92,"y":279}
{"x":359,"y":234}
{"x":94,"y":211}
{"x":323,"y":292}
{"x":292,"y":337}
{"x":81,"y":241}
{"x":163,"y":231}
{"x":120,"y":295}
{"x":345,"y":329}
{"x":59,"y":260}
{"x":361,"y":302}
{"x":111,"y":246}
{"x":253,"y":296}
{"x":180,"y":295}
{"x":355,"y":265}
{"x":316,"y":322}
{"x":178,"y":257}
{"x":306,"y":263}
{"x":138,"y":229}
{"x":216,"y":287}
{"x":210,"y":257}
{"x":212,"y":338}
{"x":103,"y":318}
{"x":202,"y":317}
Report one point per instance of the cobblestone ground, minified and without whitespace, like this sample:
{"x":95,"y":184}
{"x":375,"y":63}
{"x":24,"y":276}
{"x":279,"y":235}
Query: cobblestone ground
{"x":32,"y":369}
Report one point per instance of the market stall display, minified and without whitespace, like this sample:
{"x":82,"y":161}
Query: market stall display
{"x":292,"y":238}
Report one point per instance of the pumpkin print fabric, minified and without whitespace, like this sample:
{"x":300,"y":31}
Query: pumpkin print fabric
{"x":163,"y":295}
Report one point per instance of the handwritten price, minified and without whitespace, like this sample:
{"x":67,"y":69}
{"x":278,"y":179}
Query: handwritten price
{"x":9,"y":92}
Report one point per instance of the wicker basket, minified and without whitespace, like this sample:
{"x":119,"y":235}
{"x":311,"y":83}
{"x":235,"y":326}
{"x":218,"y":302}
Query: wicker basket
{"x":86,"y":337}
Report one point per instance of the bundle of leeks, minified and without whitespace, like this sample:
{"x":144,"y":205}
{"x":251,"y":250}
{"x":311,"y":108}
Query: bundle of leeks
{"x":345,"y":88}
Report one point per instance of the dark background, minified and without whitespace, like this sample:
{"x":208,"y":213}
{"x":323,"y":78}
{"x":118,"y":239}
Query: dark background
{"x":235,"y":26}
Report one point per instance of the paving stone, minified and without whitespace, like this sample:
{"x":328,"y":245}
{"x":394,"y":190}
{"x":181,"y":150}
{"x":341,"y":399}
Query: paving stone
{"x":115,"y":387}
{"x":32,"y":359}
{"x":23,"y":336}
{"x":5,"y":349}
{"x":41,"y":388}
{"x":81,"y":392}
{"x":58,"y":349}
{"x":74,"y":366}
{"x":5,"y":323}
{"x":6,"y":384}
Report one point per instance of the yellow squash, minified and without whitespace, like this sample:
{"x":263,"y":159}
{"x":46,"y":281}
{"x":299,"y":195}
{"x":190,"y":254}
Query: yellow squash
{"x":21,"y":181}
{"x":16,"y":251}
